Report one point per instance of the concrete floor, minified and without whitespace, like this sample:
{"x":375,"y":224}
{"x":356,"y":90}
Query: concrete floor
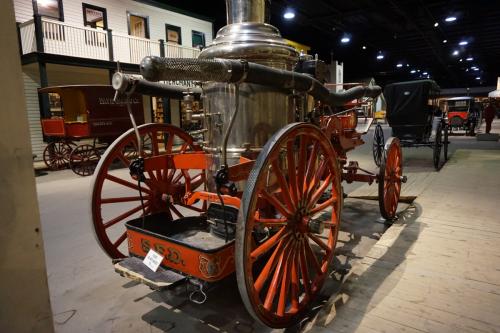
{"x":88,"y":296}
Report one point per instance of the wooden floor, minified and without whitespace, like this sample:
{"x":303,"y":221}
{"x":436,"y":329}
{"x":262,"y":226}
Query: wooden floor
{"x":438,"y":268}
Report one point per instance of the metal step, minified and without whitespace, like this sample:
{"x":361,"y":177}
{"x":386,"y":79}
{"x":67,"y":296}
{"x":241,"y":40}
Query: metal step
{"x":134,"y":269}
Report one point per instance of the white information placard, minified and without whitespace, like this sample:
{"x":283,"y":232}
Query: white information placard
{"x":153,"y":260}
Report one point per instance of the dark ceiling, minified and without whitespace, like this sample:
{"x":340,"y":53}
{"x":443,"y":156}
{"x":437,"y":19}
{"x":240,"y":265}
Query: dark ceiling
{"x":403,"y":30}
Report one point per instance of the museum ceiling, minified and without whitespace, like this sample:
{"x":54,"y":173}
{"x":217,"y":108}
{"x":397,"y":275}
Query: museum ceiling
{"x":457,"y":43}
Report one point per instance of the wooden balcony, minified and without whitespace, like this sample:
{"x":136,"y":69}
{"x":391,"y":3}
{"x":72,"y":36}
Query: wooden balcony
{"x":49,"y":36}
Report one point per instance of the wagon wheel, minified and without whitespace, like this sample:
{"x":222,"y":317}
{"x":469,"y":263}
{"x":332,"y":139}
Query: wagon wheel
{"x":282,"y":253}
{"x":83,"y":159}
{"x":389,"y":182}
{"x":378,"y":145}
{"x":438,"y":142}
{"x":445,"y":141}
{"x":116,"y":196}
{"x":56,"y":155}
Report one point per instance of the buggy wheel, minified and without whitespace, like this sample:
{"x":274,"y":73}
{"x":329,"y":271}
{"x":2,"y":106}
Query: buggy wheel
{"x":117,"y":197}
{"x":288,"y":225}
{"x":83,"y":159}
{"x":389,"y":182}
{"x":56,"y":155}
{"x":445,"y":141}
{"x":378,"y":145}
{"x":438,"y":142}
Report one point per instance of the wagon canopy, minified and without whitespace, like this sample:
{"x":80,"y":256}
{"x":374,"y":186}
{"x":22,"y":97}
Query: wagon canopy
{"x":407,"y":102}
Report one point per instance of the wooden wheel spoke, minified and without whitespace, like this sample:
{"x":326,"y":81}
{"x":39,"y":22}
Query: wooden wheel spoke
{"x":321,"y":244}
{"x":316,"y":179}
{"x":285,"y":191}
{"x":275,"y":203}
{"x":122,"y":216}
{"x":301,"y":168}
{"x":292,"y":172}
{"x":120,"y":239}
{"x":126,"y":183}
{"x":294,"y":283}
{"x":268,"y":244}
{"x":311,"y":163}
{"x":312,"y":257}
{"x":332,"y":200}
{"x":278,"y":272}
{"x":304,"y":271}
{"x":175,"y":210}
{"x":123,"y":199}
{"x":271,"y":222}
{"x":319,"y":192}
{"x":169,"y":144}
{"x":271,"y":263}
{"x":284,"y":285}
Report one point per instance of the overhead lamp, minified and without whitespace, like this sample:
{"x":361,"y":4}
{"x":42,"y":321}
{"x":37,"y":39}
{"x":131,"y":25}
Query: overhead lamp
{"x":455,"y":53}
{"x":475,"y":69}
{"x":450,"y":19}
{"x":445,"y":41}
{"x":463,"y":43}
{"x":413,"y":71}
{"x":436,"y":25}
{"x":364,"y":47}
{"x":461,"y":60}
{"x":289,"y":14}
{"x":469,"y":59}
{"x":425,"y":73}
{"x":478,"y":78}
{"x":380,"y":56}
{"x":399,"y":65}
{"x":407,"y":65}
{"x":345,"y":40}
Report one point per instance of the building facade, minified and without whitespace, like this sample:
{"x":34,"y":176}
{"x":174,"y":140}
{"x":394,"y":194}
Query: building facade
{"x":68,"y":42}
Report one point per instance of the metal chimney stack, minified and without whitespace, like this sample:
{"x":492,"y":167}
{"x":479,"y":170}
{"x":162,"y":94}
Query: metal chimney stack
{"x":262,"y":111}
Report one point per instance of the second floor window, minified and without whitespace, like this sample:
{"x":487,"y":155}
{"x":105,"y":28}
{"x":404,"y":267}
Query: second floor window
{"x":173,"y":34}
{"x":94,"y":17}
{"x":49,"y":8}
{"x":198,"y":39}
{"x":138,"y":26}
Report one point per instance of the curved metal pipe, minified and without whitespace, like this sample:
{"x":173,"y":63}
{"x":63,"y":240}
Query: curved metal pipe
{"x":237,"y":71}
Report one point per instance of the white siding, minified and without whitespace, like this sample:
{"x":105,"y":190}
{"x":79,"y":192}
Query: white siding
{"x":31,"y":83}
{"x":117,"y":17}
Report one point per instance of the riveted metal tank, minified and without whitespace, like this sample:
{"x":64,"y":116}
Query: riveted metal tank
{"x":261,"y":110}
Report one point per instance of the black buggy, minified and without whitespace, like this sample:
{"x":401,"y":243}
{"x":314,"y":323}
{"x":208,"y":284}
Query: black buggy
{"x":415,"y":119}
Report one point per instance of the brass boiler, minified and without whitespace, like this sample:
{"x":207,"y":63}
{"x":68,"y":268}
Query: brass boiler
{"x":261,"y":111}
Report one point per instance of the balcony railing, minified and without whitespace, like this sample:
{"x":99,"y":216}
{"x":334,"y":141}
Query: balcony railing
{"x":49,"y":36}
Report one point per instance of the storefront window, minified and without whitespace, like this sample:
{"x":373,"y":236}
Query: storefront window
{"x":138,"y":26}
{"x":173,"y":34}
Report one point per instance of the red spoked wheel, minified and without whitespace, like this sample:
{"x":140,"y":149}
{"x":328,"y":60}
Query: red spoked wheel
{"x":117,"y":197}
{"x":56,"y":155}
{"x":288,"y":225}
{"x":390,"y":178}
{"x":83,"y":159}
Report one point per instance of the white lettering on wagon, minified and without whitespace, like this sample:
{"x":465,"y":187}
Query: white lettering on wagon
{"x":110,"y":101}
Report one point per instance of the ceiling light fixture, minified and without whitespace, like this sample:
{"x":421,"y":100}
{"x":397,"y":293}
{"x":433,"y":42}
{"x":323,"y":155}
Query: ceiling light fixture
{"x":445,"y":41}
{"x":425,"y":73}
{"x":289,"y":14}
{"x":450,"y":19}
{"x":364,"y":47}
{"x":436,"y":25}
{"x":413,"y":71}
{"x":463,"y":43}
{"x":380,"y":56}
{"x":345,"y":40}
{"x":399,"y":65}
{"x":478,"y":78}
{"x":455,"y":53}
{"x":469,"y":59}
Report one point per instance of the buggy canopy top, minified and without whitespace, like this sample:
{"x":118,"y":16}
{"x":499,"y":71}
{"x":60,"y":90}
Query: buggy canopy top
{"x":407,"y":102}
